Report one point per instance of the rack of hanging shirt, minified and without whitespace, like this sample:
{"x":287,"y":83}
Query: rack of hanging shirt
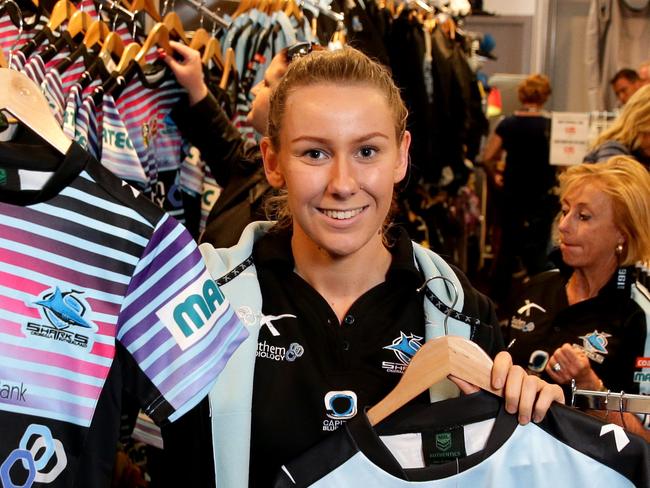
{"x":429,"y":54}
{"x":118,"y":109}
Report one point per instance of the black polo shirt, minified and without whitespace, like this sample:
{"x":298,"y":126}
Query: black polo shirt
{"x":318,"y":373}
{"x":312,"y":374}
{"x":610,"y":327}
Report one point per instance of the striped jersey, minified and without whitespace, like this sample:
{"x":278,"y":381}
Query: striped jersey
{"x":99,"y":291}
{"x":142,"y":143}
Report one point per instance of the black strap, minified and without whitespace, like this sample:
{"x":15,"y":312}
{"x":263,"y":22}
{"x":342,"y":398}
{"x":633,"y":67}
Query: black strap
{"x":473,"y":322}
{"x":235,"y":272}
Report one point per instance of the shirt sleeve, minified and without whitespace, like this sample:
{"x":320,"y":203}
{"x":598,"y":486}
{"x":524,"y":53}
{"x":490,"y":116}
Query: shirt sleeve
{"x":176,"y":324}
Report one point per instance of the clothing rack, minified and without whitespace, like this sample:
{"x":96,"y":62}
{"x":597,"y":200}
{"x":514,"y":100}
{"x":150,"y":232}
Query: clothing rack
{"x":611,"y":401}
{"x":200,"y":6}
{"x":116,"y":7}
{"x":327,"y":11}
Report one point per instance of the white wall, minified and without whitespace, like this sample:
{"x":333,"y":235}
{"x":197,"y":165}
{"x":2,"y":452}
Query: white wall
{"x":510,"y":7}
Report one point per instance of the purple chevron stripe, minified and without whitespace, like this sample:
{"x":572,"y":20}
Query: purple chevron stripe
{"x":223,"y":329}
{"x":180,"y":271}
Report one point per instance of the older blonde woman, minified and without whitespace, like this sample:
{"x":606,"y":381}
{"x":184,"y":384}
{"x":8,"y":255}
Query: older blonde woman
{"x":579,"y":321}
{"x":630,"y":133}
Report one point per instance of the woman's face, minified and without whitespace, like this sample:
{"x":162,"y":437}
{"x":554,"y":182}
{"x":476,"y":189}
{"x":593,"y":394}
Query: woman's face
{"x":588,"y":231}
{"x":339,"y":159}
{"x":259,"y":114}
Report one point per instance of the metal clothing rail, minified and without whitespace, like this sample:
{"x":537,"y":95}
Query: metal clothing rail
{"x":612,"y":401}
{"x":200,"y":6}
{"x":116,"y":7}
{"x":327,"y":11}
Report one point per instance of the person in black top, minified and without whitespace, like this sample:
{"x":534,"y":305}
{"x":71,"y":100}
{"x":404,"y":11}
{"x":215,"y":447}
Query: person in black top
{"x":581,"y":322}
{"x":236,"y":167}
{"x":329,"y":292}
{"x":528,"y":207}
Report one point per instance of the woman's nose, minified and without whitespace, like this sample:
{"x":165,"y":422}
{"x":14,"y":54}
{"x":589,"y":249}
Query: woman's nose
{"x":343,"y":181}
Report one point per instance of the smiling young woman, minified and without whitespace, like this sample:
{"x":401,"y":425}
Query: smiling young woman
{"x":324,"y":292}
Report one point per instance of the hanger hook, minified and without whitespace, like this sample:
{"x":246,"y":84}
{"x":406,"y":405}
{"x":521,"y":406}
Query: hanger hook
{"x":165,"y":7}
{"x":202,"y":6}
{"x":20,"y":29}
{"x":621,"y":409}
{"x":449,"y":309}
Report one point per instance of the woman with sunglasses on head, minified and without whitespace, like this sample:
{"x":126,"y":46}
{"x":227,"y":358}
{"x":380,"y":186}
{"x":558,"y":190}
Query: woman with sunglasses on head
{"x":329,"y":292}
{"x":236,"y":167}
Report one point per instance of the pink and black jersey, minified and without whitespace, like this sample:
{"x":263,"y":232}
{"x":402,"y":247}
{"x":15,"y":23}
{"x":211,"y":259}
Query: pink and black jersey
{"x":100,"y":291}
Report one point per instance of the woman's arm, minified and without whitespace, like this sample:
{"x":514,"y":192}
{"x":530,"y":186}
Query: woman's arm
{"x":202,"y":121}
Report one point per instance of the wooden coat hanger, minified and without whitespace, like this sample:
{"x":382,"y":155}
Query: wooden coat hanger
{"x":158,"y":36}
{"x":435,"y":361}
{"x":79,"y":23}
{"x":227,"y":68}
{"x":175,"y":26}
{"x":212,"y":51}
{"x":144,"y":6}
{"x":112,"y":48}
{"x":293,"y":10}
{"x":200,"y":38}
{"x":130,"y":52}
{"x":63,"y":10}
{"x":244,"y":6}
{"x":23,"y":99}
{"x":97,"y":33}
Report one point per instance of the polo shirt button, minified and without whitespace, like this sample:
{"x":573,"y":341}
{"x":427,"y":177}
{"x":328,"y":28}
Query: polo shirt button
{"x":346,"y":346}
{"x":348,"y":320}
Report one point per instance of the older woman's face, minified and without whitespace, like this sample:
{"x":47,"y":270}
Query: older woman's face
{"x":588,"y":231}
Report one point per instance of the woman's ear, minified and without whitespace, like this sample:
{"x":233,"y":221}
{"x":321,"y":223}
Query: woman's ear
{"x":402,"y":164}
{"x":271,"y":164}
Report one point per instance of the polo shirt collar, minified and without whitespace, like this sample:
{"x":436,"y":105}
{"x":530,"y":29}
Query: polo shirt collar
{"x":274,"y":249}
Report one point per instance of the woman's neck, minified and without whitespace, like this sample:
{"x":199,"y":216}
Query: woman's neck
{"x":586,"y":283}
{"x":341,"y":280}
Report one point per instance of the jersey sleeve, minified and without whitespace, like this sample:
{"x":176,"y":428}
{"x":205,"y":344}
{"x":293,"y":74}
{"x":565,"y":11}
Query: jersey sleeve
{"x":176,"y":324}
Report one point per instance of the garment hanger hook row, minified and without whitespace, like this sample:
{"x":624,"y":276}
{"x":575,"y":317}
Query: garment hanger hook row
{"x":449,"y":309}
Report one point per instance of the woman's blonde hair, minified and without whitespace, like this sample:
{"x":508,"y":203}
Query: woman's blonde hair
{"x":346,"y":66}
{"x":633,"y":120}
{"x":534,"y":89}
{"x":627,"y":183}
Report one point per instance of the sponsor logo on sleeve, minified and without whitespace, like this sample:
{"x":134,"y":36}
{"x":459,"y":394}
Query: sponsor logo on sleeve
{"x":190,"y":315}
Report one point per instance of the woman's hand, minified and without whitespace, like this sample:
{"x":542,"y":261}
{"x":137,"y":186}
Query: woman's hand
{"x":188,"y":71}
{"x":567,"y":363}
{"x":526,"y":395}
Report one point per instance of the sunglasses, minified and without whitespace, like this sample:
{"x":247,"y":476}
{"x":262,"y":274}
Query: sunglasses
{"x":299,"y":50}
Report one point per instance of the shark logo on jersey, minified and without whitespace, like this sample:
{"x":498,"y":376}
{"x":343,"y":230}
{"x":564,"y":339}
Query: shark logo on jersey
{"x":404,"y":347}
{"x":594,"y":345}
{"x":63,"y":310}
